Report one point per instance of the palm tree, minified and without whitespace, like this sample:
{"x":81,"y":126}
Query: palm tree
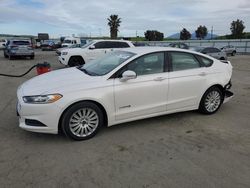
{"x":114,"y":24}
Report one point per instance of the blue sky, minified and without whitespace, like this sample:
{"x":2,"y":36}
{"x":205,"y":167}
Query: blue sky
{"x":63,"y":17}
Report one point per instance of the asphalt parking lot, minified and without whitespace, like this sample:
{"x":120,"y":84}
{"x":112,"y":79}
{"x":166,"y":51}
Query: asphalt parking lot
{"x":179,"y":150}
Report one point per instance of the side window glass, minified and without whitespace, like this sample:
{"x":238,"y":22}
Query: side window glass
{"x":183,"y":61}
{"x":99,"y":45}
{"x":109,"y":44}
{"x":148,"y":64}
{"x":207,"y":62}
{"x":216,"y":50}
{"x":123,"y":45}
{"x":206,"y":50}
{"x":210,"y":50}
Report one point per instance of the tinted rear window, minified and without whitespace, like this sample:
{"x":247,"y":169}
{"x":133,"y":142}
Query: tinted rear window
{"x":120,"y":45}
{"x":21,"y":42}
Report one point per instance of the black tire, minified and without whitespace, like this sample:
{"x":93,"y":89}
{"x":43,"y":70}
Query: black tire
{"x":10,"y":57}
{"x":76,"y":61}
{"x":203,"y":108}
{"x":233,"y":53}
{"x":68,"y":118}
{"x":5,"y":55}
{"x":222,"y":58}
{"x":32,"y":57}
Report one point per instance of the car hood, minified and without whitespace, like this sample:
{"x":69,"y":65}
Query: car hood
{"x":59,"y":81}
{"x":74,"y":50}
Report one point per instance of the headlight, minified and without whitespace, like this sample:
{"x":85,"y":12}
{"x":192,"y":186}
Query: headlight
{"x":42,"y":99}
{"x":64,"y":53}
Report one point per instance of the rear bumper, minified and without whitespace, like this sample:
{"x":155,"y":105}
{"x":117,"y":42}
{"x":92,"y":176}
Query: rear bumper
{"x":21,"y":54}
{"x":228,"y":95}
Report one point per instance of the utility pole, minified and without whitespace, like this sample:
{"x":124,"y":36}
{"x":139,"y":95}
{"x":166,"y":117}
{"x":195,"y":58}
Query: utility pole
{"x":212,"y":30}
{"x":100,"y":32}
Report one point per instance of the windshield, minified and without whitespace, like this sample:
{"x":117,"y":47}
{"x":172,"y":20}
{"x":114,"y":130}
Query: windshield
{"x":67,"y":41}
{"x":105,"y":64}
{"x":88,"y":44}
{"x":75,"y":46}
{"x":20,"y":42}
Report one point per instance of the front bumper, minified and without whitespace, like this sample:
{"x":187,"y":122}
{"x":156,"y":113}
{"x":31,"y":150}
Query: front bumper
{"x":62,"y":60}
{"x":43,"y":118}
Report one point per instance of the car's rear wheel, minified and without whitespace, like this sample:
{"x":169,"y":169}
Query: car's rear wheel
{"x":233,"y":53}
{"x":211,"y":100}
{"x":82,"y":121}
{"x":32,"y":57}
{"x":75,"y":61}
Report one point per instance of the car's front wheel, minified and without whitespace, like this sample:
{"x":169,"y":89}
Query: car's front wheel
{"x":211,"y":100}
{"x":82,"y":120}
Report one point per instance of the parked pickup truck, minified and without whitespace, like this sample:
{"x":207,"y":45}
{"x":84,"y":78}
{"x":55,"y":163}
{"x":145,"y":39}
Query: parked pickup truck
{"x":90,"y":51}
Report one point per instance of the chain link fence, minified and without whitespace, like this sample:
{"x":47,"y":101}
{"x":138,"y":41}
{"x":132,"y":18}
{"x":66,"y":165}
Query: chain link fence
{"x":242,"y":45}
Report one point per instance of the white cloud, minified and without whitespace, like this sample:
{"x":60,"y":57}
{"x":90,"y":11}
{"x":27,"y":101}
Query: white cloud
{"x":168,"y":16}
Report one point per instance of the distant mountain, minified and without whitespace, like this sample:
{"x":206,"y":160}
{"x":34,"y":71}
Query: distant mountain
{"x":177,"y":36}
{"x":174,"y":36}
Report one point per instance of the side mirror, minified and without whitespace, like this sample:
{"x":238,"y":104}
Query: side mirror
{"x":128,"y":75}
{"x":92,"y":47}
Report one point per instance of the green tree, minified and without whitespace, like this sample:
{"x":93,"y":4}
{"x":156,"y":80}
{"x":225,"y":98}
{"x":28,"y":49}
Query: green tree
{"x":237,"y":28}
{"x":114,"y":23}
{"x":153,"y":35}
{"x":185,"y":34}
{"x":201,"y":32}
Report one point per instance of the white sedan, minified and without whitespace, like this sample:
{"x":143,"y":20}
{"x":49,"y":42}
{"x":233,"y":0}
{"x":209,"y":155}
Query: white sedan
{"x":123,"y":86}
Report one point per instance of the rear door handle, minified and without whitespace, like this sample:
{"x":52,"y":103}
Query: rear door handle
{"x":202,"y":74}
{"x":159,"y":79}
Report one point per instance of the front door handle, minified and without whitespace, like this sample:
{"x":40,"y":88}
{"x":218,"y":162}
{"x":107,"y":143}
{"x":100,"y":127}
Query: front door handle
{"x":159,"y":79}
{"x":202,"y":74}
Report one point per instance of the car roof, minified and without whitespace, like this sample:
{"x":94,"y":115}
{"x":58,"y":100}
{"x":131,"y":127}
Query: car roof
{"x":103,"y":40}
{"x":19,"y":40}
{"x":149,"y":49}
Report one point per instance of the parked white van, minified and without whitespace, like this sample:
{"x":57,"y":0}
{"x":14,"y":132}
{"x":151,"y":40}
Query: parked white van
{"x":69,"y":41}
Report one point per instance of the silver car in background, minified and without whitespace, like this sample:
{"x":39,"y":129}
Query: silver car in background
{"x":211,"y":51}
{"x":18,"y":48}
{"x":230,"y":50}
